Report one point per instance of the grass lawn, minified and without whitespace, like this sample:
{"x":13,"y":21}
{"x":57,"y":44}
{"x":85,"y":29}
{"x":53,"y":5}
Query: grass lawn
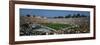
{"x":57,"y":26}
{"x":82,"y":28}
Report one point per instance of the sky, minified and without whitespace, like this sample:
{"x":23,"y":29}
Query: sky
{"x":51,"y":13}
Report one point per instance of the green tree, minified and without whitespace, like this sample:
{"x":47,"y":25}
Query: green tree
{"x":78,"y":15}
{"x":68,"y":16}
{"x":74,"y":15}
{"x":28,"y":15}
{"x":60,"y":17}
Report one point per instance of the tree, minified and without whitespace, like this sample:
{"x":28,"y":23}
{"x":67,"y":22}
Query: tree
{"x":28,"y":15}
{"x":78,"y":15}
{"x":74,"y":15}
{"x":60,"y":17}
{"x":68,"y":16}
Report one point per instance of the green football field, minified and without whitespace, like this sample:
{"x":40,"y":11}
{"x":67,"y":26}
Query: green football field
{"x":57,"y":26}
